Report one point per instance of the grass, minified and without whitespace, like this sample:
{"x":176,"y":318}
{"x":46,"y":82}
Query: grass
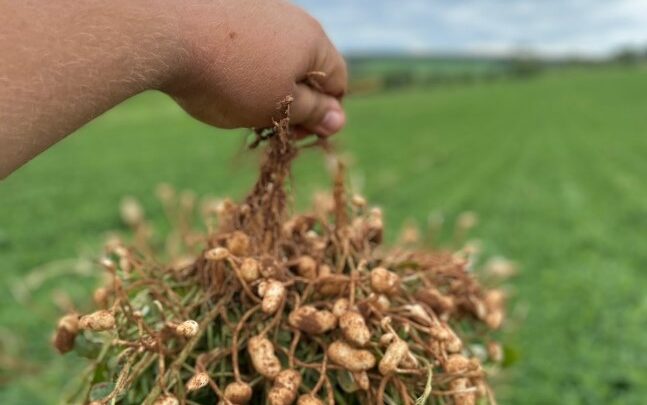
{"x":554,"y":167}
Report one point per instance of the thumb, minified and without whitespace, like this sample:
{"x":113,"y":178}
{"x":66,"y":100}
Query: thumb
{"x":316,"y":112}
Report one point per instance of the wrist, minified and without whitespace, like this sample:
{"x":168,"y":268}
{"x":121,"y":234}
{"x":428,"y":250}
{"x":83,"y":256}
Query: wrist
{"x":195,"y":31}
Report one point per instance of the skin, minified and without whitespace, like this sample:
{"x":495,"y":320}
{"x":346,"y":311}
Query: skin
{"x":227,"y":63}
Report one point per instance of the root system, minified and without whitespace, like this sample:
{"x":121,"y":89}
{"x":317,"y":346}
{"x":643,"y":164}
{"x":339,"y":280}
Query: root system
{"x":265,"y":307}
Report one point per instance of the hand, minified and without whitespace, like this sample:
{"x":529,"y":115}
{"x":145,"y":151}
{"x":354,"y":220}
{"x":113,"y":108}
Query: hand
{"x":229,"y":63}
{"x":244,"y":57}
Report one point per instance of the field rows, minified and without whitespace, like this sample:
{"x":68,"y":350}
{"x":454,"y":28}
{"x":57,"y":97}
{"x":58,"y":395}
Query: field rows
{"x":554,"y":167}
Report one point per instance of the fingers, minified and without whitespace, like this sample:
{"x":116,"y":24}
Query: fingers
{"x":316,"y":108}
{"x":315,"y":112}
{"x":329,"y":70}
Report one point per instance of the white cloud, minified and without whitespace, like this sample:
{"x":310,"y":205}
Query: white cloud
{"x":554,"y":27}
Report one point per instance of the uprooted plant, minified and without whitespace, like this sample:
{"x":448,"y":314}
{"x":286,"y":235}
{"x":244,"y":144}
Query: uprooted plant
{"x":268,"y":308}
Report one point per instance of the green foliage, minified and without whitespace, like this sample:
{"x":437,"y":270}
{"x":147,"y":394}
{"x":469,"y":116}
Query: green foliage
{"x":629,"y":56}
{"x":554,"y":167}
{"x":398,"y":72}
{"x":525,"y":67}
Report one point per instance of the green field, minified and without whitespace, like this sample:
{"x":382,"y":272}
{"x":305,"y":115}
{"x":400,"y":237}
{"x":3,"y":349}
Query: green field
{"x":554,"y":166}
{"x":425,"y":65}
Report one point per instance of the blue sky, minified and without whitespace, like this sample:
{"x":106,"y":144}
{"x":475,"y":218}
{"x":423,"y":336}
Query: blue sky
{"x":547,"y":27}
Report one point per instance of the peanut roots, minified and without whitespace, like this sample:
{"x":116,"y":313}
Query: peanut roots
{"x":269,"y":308}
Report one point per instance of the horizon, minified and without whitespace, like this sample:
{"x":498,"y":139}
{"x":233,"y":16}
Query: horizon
{"x":467,"y":55}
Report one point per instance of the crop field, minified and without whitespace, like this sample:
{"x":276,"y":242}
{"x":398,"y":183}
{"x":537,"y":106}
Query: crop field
{"x":554,"y":167}
{"x":449,"y":66}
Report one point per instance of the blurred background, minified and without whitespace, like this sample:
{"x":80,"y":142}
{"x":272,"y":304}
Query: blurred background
{"x":530,"y":114}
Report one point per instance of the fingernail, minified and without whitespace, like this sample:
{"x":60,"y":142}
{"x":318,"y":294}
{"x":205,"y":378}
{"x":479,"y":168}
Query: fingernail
{"x":333,"y":122}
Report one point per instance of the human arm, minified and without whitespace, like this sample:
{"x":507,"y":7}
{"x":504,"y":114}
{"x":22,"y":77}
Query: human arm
{"x":228,"y":63}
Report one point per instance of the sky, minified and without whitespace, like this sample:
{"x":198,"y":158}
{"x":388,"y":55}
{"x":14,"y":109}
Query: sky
{"x":590,"y":28}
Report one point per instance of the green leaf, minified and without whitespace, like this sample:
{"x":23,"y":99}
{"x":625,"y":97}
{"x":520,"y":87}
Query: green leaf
{"x":346,"y":381}
{"x":511,"y":355}
{"x":101,"y":390}
{"x":87,"y":347}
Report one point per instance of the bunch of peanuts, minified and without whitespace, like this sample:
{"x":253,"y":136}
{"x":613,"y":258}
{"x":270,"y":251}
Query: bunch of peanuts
{"x":303,"y":312}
